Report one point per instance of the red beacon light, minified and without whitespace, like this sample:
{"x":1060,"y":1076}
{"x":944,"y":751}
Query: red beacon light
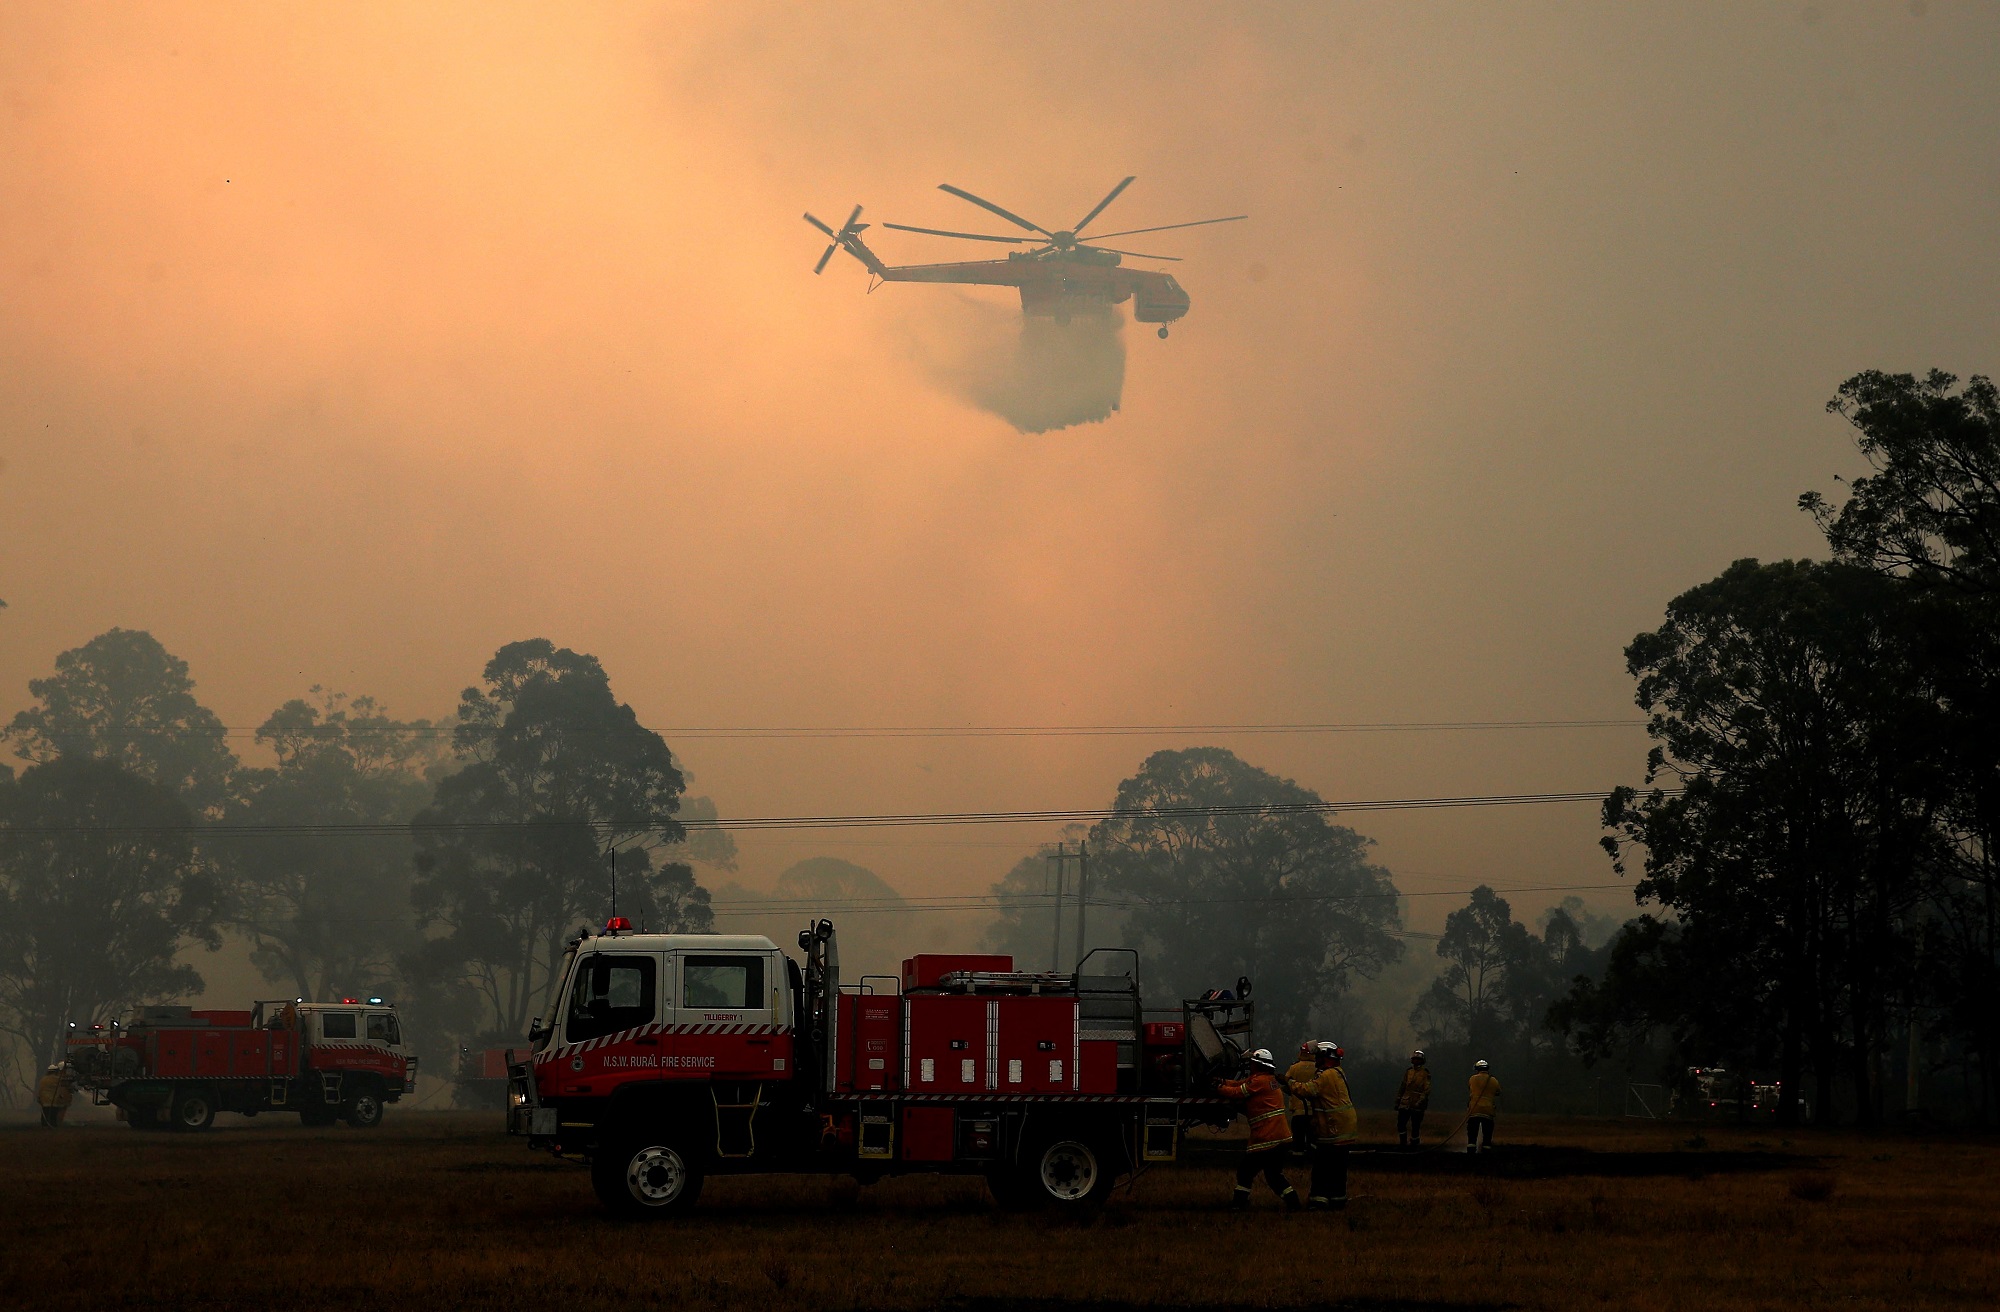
{"x":618,"y":925}
{"x":350,"y":1000}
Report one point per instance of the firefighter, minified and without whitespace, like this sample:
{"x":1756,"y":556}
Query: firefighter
{"x":54,"y":1092}
{"x":1413,"y":1099}
{"x":1483,"y":1099}
{"x":1263,"y":1100}
{"x":1301,"y":1072}
{"x":1335,"y":1125}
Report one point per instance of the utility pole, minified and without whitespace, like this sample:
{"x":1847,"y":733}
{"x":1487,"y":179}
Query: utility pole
{"x":611,"y":858}
{"x":1060,"y":858}
{"x":1056,"y":859}
{"x":1082,"y":888}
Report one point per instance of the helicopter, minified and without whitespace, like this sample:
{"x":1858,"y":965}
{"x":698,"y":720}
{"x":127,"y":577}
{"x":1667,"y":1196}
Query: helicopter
{"x":1060,"y":275}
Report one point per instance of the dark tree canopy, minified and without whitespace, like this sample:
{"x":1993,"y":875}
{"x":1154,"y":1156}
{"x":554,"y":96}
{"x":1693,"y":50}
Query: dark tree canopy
{"x":321,"y":908}
{"x":1931,"y":509}
{"x":1229,"y":870}
{"x":99,"y":892}
{"x":1787,"y":713}
{"x":511,"y":853}
{"x":122,"y":697}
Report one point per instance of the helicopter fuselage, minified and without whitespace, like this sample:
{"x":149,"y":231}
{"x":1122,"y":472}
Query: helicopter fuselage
{"x":1057,"y":285}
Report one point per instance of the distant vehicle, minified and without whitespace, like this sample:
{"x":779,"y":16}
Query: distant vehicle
{"x":1063,"y":275}
{"x":668,"y":1058}
{"x":1713,"y":1092}
{"x":175,"y":1067}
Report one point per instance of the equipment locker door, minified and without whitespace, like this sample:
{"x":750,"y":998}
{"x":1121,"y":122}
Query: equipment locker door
{"x":731,"y":1007}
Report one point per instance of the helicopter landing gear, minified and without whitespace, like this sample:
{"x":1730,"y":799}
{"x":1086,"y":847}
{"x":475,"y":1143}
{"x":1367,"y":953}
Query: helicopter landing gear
{"x":1163,"y":334}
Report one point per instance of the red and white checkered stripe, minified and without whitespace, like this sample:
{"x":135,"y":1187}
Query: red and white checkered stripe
{"x":556,"y":1052}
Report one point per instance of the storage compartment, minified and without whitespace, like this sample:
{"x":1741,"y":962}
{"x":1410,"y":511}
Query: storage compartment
{"x":249,"y":1052}
{"x":173,"y":1053}
{"x":1100,"y":1066}
{"x":870,"y":1059}
{"x":927,"y":1133}
{"x":924,"y":970}
{"x":222,"y":1020}
{"x":947,"y":1044}
{"x":1038,"y":1045}
{"x":211,"y":1053}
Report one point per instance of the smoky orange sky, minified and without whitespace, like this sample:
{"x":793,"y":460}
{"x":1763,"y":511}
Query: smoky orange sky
{"x":343,"y":344}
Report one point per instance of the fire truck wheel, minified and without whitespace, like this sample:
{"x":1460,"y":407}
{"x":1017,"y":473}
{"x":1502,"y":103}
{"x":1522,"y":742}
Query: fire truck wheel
{"x":364,"y":1109}
{"x":1069,"y":1173}
{"x":194,"y":1109}
{"x":642,"y":1178}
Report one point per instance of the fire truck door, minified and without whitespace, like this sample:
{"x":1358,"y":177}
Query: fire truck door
{"x":383,"y":1029}
{"x":611,"y":1023}
{"x":731,"y":1007}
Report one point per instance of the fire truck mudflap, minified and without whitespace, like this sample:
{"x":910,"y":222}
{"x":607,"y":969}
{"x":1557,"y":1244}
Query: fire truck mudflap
{"x":667,"y":1059}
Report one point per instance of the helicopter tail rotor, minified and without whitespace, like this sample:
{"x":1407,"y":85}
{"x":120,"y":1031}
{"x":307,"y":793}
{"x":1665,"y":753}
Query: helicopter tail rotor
{"x":849,"y":237}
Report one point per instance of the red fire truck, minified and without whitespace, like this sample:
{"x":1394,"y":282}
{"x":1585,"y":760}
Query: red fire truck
{"x":665,"y":1059}
{"x":175,"y":1067}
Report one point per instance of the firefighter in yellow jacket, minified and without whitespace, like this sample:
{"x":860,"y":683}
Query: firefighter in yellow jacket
{"x":1335,"y":1125}
{"x":1301,"y":1072}
{"x":54,"y":1093}
{"x":1482,"y":1101}
{"x":1413,"y":1099}
{"x":1263,"y":1100}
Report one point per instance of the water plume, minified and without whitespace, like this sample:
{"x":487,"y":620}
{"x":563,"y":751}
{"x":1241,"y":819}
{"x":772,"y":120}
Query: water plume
{"x":1037,"y":374}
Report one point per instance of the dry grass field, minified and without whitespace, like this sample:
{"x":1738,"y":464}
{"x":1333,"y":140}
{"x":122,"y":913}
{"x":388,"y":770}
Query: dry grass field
{"x":441,"y":1211}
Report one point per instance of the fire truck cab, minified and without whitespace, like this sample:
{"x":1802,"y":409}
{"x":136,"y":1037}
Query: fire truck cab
{"x":665,"y":1059}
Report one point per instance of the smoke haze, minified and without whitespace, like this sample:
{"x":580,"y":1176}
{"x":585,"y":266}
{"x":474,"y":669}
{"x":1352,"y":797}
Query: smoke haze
{"x":347,"y":344}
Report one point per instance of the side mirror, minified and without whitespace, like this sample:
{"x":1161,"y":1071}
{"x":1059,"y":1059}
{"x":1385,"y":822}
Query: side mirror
{"x":536,"y":1029}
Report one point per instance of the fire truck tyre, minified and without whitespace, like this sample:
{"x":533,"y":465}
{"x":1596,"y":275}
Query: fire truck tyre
{"x":194,"y":1109}
{"x":644,"y":1178}
{"x":1070,"y":1173}
{"x":364,"y":1109}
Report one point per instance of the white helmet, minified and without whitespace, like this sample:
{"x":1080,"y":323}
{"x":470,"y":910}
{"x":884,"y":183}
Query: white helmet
{"x":1262,"y":1057}
{"x":1417,"y":1056}
{"x":1479,"y":1065}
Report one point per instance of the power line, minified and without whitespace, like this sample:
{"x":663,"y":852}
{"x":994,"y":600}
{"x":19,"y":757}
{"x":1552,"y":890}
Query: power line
{"x":1035,"y":901}
{"x":751,"y":732}
{"x":640,"y":824}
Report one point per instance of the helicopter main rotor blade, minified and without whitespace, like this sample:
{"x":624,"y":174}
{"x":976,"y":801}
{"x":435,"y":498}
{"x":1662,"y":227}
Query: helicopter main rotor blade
{"x":1137,"y":255}
{"x":969,"y":236}
{"x":821,"y":266}
{"x":1085,"y":220}
{"x":821,"y":226}
{"x":1008,"y":215}
{"x":1165,"y":227}
{"x":851,"y":218}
